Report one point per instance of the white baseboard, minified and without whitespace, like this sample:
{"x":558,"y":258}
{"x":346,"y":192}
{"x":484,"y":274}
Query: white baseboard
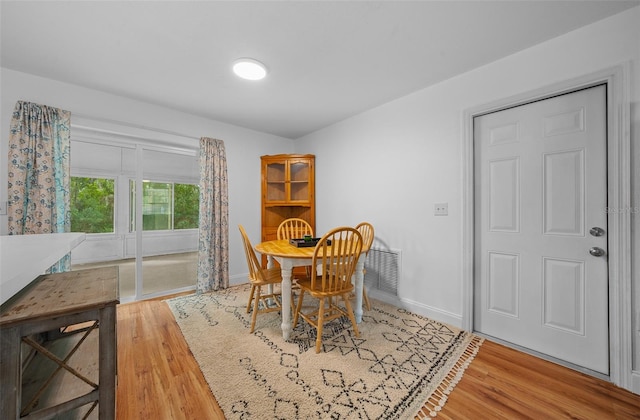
{"x":238,"y":279}
{"x":418,"y":308}
{"x":635,"y":382}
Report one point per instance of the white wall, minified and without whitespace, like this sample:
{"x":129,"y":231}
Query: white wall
{"x":406,"y":155}
{"x":244,"y":147}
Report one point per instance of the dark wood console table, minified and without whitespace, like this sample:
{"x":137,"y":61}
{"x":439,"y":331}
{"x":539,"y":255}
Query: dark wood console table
{"x":56,"y":321}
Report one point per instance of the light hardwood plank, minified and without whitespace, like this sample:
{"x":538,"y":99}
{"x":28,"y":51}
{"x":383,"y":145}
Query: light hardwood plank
{"x":502,"y":383}
{"x":159,"y":378}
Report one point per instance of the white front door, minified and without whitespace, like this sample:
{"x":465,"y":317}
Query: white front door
{"x":540,"y":216}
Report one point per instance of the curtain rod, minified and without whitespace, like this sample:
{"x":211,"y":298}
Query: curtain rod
{"x":132,"y":125}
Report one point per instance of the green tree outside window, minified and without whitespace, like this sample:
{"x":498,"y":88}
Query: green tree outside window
{"x":92,"y":205}
{"x":187,"y":202}
{"x":167,"y":206}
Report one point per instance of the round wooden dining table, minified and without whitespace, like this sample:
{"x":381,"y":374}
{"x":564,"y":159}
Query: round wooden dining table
{"x":289,"y":256}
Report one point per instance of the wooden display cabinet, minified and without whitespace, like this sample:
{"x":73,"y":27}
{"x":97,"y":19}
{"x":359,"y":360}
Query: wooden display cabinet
{"x":288,"y":190}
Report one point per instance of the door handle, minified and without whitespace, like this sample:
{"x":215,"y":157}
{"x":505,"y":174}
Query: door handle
{"x":596,"y":231}
{"x":596,"y":251}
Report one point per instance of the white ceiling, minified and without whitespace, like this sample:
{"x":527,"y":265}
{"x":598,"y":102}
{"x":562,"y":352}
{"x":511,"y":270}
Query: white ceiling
{"x":327,"y":60}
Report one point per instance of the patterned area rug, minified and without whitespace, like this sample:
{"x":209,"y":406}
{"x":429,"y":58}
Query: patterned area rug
{"x":402,"y":366}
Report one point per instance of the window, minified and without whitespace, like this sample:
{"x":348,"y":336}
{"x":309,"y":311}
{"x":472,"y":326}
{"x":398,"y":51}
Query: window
{"x":92,"y":209}
{"x":166,"y":205}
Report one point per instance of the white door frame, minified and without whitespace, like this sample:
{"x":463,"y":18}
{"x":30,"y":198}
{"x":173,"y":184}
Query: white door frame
{"x":619,"y":197}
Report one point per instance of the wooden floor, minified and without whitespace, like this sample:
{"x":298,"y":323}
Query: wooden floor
{"x":158,"y":378}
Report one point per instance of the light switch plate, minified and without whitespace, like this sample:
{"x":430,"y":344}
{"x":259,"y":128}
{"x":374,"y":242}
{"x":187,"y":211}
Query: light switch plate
{"x":3,"y":207}
{"x":441,"y":209}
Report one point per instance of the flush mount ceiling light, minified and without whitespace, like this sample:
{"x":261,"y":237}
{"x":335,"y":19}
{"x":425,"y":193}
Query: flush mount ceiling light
{"x":249,"y":69}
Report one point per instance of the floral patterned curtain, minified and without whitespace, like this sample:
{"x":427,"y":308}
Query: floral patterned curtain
{"x":39,"y":144}
{"x":213,"y":246}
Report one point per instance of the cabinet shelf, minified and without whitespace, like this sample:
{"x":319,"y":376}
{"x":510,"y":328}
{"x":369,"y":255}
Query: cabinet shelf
{"x":286,"y":204}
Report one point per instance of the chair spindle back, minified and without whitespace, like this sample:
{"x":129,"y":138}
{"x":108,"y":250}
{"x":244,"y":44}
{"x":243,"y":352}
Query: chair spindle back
{"x":338,"y":260}
{"x":294,"y":228}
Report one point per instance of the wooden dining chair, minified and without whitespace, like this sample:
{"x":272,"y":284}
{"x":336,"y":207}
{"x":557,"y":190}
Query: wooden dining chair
{"x":338,"y":262}
{"x":258,"y":277}
{"x":367,"y":232}
{"x":295,"y":228}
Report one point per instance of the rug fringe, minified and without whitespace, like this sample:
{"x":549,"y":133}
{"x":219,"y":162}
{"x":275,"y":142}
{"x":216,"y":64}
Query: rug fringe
{"x":439,"y":397}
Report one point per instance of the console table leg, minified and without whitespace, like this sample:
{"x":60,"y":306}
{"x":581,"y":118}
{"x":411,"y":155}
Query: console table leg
{"x":108,"y":363}
{"x":11,"y":374}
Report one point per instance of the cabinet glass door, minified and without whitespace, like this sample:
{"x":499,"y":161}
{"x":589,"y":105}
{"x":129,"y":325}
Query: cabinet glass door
{"x":276,"y":182}
{"x":299,"y":181}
